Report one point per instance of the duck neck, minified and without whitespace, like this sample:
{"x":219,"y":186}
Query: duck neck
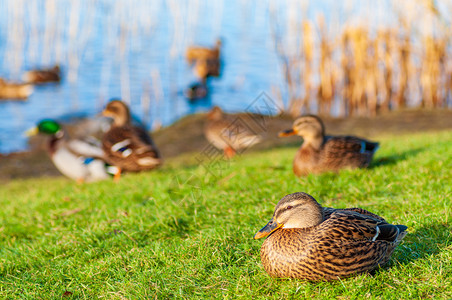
{"x":313,"y":141}
{"x":309,"y":216}
{"x":53,"y":144}
{"x":313,"y":219}
{"x":121,"y":120}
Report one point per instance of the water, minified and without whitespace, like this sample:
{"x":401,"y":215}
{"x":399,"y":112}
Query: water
{"x":135,"y":50}
{"x":147,"y":53}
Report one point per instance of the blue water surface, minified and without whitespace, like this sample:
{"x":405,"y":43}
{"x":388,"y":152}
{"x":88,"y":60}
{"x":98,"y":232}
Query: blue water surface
{"x":135,"y":50}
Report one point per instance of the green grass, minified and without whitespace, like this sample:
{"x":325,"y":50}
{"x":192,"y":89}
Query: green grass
{"x":185,"y":233}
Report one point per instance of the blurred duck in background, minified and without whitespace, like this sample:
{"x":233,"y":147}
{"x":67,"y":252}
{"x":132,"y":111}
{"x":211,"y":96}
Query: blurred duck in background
{"x":320,"y":153}
{"x":43,"y":76}
{"x":205,"y":63}
{"x":15,"y":91}
{"x":225,"y":134}
{"x":129,"y":148}
{"x":80,"y":159}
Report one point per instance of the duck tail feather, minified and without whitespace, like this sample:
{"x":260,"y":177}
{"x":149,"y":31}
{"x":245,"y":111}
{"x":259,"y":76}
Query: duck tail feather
{"x":389,"y":232}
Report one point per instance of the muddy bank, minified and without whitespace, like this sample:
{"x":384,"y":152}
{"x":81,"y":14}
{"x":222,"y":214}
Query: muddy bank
{"x":186,"y":136}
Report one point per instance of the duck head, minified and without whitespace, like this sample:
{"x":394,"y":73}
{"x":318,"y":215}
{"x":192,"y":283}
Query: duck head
{"x":308,"y":127}
{"x":46,"y":126}
{"x":298,"y":210}
{"x":118,"y":111}
{"x":215,"y":114}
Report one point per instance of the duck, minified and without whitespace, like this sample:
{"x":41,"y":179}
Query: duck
{"x":42,"y":76}
{"x":195,"y":53}
{"x":18,"y":91}
{"x":128,"y":147}
{"x":206,"y":60}
{"x":227,"y":134}
{"x":320,"y":153}
{"x":307,"y":241}
{"x":82,"y":160}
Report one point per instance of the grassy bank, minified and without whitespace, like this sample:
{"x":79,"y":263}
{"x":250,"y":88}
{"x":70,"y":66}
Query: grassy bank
{"x":187,"y":232}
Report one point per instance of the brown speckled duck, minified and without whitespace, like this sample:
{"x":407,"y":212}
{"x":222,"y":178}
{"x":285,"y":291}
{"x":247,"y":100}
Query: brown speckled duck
{"x":41,"y":76}
{"x":320,"y":153}
{"x":307,"y":241}
{"x":128,"y":147}
{"x":225,"y":134}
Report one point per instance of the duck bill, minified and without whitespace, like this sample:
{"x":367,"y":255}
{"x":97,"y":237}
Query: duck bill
{"x":287,"y":132}
{"x":31,"y":132}
{"x":106,"y":113}
{"x":268,"y":229}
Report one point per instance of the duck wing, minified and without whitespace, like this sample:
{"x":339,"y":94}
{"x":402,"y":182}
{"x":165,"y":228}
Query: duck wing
{"x":351,"y":225}
{"x":341,"y":144}
{"x":85,"y":148}
{"x":231,"y":132}
{"x":340,"y":151}
{"x":349,"y":242}
{"x":131,"y":148}
{"x":327,"y":211}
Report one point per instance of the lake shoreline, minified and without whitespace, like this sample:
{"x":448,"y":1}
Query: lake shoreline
{"x":184,"y":139}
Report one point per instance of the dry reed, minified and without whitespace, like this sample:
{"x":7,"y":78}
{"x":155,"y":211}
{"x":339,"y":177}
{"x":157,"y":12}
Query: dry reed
{"x":364,"y":70}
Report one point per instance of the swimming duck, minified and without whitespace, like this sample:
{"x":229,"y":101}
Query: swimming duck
{"x":10,"y":90}
{"x":226,"y":134}
{"x":78,"y":159}
{"x":307,"y":241}
{"x":320,"y":153}
{"x":197,"y":53}
{"x":43,"y":76}
{"x":128,"y":147}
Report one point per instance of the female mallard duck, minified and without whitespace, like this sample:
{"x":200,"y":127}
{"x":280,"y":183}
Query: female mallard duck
{"x":307,"y":241}
{"x":128,"y":147}
{"x":77,"y":159}
{"x":9,"y":90}
{"x":320,"y":153}
{"x":43,"y":76}
{"x":226,"y":134}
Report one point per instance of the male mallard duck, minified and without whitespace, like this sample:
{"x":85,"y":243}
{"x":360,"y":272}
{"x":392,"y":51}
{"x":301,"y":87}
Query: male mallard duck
{"x":228,"y":133}
{"x":309,"y":242}
{"x":77,"y":159}
{"x":128,"y":147}
{"x":320,"y":153}
{"x":43,"y":76}
{"x":198,"y":53}
{"x":9,"y":90}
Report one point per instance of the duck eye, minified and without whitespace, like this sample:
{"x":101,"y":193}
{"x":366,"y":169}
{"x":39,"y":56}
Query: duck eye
{"x":289,"y":207}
